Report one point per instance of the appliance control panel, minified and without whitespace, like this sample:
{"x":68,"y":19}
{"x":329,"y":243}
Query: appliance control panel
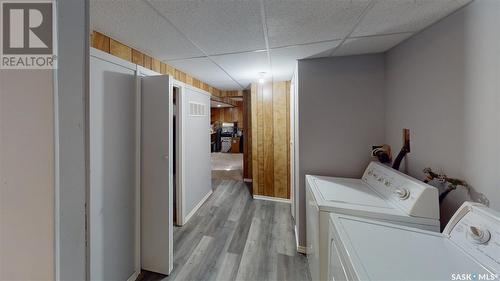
{"x":414,"y":197}
{"x":476,"y":229}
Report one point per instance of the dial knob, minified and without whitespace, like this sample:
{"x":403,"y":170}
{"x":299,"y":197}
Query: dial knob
{"x":402,"y":193}
{"x":478,"y":235}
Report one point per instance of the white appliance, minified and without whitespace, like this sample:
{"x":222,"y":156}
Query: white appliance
{"x":468,"y":249}
{"x":382,"y":194}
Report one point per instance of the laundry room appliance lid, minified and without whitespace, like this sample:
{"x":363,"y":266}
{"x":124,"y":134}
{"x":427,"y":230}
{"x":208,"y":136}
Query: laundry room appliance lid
{"x":381,"y":190}
{"x":374,"y":250}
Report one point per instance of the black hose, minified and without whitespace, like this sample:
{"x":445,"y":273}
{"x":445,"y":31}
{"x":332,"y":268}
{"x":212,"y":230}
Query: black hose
{"x":443,"y":195}
{"x":399,"y":158}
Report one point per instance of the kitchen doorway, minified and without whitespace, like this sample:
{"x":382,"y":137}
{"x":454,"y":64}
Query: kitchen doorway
{"x":228,"y":136}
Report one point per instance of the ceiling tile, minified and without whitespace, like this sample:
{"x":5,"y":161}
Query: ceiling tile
{"x":283,"y":59}
{"x":300,"y":22}
{"x":139,"y":26}
{"x":395,"y":16}
{"x":244,"y":67}
{"x":370,"y":45}
{"x":205,"y":70}
{"x":215,"y":26}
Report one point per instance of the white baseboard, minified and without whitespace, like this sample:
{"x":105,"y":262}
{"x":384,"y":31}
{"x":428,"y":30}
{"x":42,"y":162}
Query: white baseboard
{"x":134,"y":276}
{"x":247,"y":180}
{"x":300,"y":249}
{"x":268,"y":198}
{"x":193,"y":211}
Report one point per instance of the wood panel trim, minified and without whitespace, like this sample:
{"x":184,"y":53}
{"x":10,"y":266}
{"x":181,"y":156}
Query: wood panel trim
{"x":255,"y":162}
{"x":268,"y":135}
{"x":120,"y":50}
{"x":280,"y":140}
{"x":137,"y":57}
{"x":270,"y":139}
{"x":111,"y":46}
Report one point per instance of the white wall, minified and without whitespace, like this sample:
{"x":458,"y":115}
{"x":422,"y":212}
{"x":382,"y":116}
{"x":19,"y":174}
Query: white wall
{"x":340,"y":115}
{"x":196,"y":146}
{"x":444,"y":85}
{"x":26,"y":175}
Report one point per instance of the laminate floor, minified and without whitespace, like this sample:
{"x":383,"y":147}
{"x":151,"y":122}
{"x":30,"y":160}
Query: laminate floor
{"x":227,"y":166}
{"x":233,"y":237}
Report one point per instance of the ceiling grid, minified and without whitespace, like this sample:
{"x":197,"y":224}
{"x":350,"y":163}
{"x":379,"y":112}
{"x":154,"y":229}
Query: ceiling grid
{"x":266,"y":36}
{"x":358,"y":21}
{"x":194,"y":44}
{"x":228,"y":43}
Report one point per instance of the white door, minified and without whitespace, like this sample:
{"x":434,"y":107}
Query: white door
{"x":112,"y":136}
{"x":157,"y":174}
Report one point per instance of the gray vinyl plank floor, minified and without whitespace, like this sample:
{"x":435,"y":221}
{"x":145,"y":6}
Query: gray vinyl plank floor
{"x":233,"y":237}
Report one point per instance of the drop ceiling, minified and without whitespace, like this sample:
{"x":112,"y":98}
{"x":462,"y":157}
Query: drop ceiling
{"x":228,"y":43}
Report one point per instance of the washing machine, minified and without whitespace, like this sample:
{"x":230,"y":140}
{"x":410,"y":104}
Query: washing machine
{"x":366,"y":249}
{"x":382,"y":194}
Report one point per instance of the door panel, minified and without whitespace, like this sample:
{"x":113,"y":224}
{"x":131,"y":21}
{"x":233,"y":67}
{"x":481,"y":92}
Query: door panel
{"x":112,"y":132}
{"x":157,"y":174}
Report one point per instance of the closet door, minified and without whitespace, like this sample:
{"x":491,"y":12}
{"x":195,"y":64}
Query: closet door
{"x":112,"y":133}
{"x":157,"y":174}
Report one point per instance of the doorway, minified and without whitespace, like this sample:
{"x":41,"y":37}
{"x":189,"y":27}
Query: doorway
{"x":228,"y":136}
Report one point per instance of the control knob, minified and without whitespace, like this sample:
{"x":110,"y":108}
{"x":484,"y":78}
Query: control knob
{"x":402,"y":193}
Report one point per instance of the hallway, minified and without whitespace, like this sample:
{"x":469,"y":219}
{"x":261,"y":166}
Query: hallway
{"x":233,"y":237}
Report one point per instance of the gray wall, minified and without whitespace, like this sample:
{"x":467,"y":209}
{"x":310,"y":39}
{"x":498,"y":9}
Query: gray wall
{"x":444,"y":85}
{"x":44,"y":247}
{"x":196,"y":143}
{"x":27,"y":175}
{"x":341,"y":114}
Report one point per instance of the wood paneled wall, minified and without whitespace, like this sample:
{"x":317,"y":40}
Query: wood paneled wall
{"x":232,"y":94}
{"x":111,"y":46}
{"x":270,"y":108}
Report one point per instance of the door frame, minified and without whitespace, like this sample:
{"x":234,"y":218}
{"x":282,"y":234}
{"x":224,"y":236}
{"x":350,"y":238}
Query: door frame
{"x":179,"y":153}
{"x":71,"y":90}
{"x":295,"y":169}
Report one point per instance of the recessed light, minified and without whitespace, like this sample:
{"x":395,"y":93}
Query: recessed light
{"x":261,"y":79}
{"x":218,"y":105}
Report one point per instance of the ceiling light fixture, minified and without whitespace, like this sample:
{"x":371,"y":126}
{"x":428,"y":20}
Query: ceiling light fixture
{"x":218,"y":105}
{"x":261,"y":79}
